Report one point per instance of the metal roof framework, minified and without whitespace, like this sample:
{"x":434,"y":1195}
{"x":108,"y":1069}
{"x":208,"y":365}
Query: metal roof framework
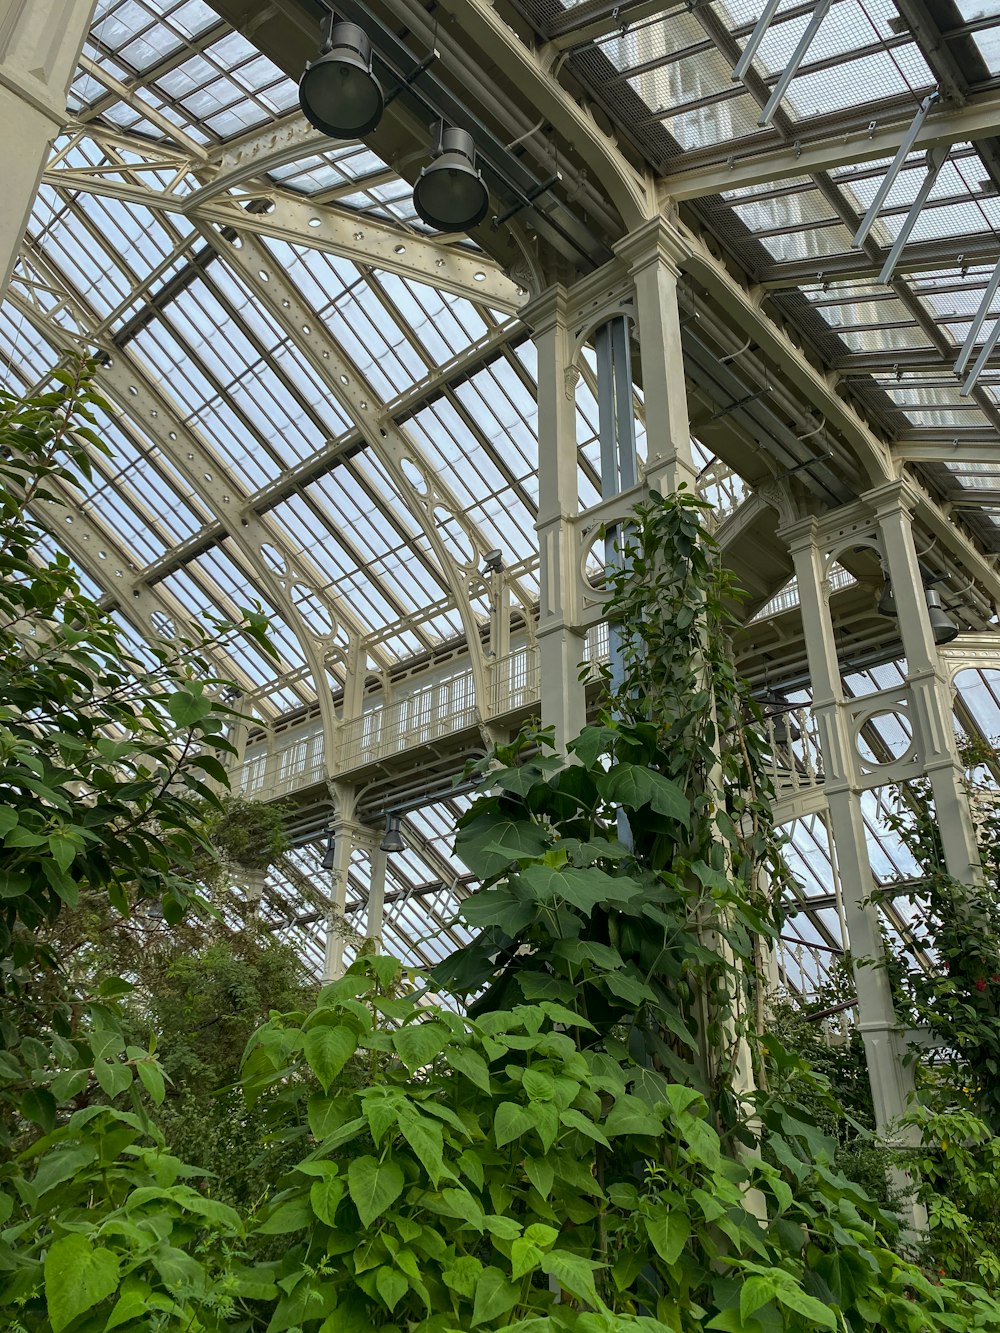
{"x":322,"y":408}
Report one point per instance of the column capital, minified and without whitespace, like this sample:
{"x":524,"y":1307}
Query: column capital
{"x":547,"y":310}
{"x":891,"y":495}
{"x":801,"y":534}
{"x":656,"y":241}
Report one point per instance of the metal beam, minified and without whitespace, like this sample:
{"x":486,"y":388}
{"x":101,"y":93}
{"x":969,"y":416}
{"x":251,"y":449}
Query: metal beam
{"x":985,"y":450}
{"x":978,"y":119}
{"x":336,"y":231}
{"x":362,"y":405}
{"x":128,"y":385}
{"x":281,"y":142}
{"x":966,"y":251}
{"x":628,"y":190}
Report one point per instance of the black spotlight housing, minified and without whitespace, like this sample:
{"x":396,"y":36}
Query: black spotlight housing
{"x":450,"y":194}
{"x":338,"y":92}
{"x":327,"y":862}
{"x":943,"y":627}
{"x":393,"y":839}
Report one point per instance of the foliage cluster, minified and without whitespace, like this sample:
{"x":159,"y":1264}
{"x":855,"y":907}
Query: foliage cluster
{"x":248,"y":834}
{"x":606,"y":1142}
{"x":957,"y":1001}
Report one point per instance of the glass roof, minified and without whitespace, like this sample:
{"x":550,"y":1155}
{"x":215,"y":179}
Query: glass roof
{"x":369,"y":540}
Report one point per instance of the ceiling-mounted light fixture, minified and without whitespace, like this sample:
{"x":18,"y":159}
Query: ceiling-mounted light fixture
{"x":943,"y":627}
{"x":887,"y":602}
{"x":338,"y":92}
{"x":450,"y":194}
{"x":327,"y":861}
{"x":393,"y":838}
{"x":778,"y":713}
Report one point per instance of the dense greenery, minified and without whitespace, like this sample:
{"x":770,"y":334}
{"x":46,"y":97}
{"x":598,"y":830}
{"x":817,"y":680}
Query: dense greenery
{"x":957,"y":1002}
{"x":610,"y":1139}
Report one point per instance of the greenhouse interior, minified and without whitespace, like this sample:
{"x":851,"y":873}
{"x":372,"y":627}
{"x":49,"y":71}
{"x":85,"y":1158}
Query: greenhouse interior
{"x":500,"y":641}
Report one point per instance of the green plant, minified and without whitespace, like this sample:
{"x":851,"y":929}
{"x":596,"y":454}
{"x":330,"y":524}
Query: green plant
{"x":957,"y":1173}
{"x":958,"y":927}
{"x":515,"y":1171}
{"x":585,"y":1151}
{"x":107,"y":764}
{"x":249,"y":834}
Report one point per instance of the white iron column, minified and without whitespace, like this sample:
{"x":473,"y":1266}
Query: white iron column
{"x":650,"y":255}
{"x":930,"y":693}
{"x":348,"y":834}
{"x":560,"y":638}
{"x":40,"y":44}
{"x":891,"y":1082}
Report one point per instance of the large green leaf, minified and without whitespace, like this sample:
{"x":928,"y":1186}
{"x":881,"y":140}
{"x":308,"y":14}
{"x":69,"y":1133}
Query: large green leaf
{"x":668,"y":1229}
{"x":589,"y":951}
{"x":510,"y":1122}
{"x":525,"y":1256}
{"x":64,"y":1164}
{"x":499,"y":907}
{"x":629,"y":1115}
{"x":114,"y":1078}
{"x":426,"y":1139}
{"x":324,"y":1196}
{"x":582,"y":886}
{"x":187,"y":708}
{"x":472,"y":1065}
{"x":374,"y":1186}
{"x":495,"y":1295}
{"x":418,"y":1043}
{"x":520,"y":837}
{"x":633,"y":786}
{"x":463,"y":1275}
{"x":702,"y":1140}
{"x":391,"y":1285}
{"x":575,"y":1274}
{"x":291,"y":1214}
{"x":328,"y":1049}
{"x":78,"y":1276}
{"x":792,"y":1297}
{"x":540,"y":1172}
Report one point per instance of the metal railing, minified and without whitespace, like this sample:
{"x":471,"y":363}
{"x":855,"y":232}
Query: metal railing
{"x":293,"y":759}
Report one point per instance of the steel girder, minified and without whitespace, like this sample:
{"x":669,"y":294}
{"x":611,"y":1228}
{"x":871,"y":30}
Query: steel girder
{"x":127,"y":384}
{"x":361,"y":403}
{"x":977,"y":118}
{"x":290,"y":218}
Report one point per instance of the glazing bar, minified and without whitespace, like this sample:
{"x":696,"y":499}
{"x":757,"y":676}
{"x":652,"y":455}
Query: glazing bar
{"x":936,"y":159}
{"x":756,"y":37}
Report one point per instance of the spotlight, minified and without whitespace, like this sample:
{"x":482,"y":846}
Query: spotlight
{"x":393,"y":839}
{"x":338,"y":92}
{"x":327,"y":861}
{"x":493,"y":562}
{"x":783,"y":725}
{"x":943,"y":627}
{"x":887,"y":602}
{"x":450,"y":194}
